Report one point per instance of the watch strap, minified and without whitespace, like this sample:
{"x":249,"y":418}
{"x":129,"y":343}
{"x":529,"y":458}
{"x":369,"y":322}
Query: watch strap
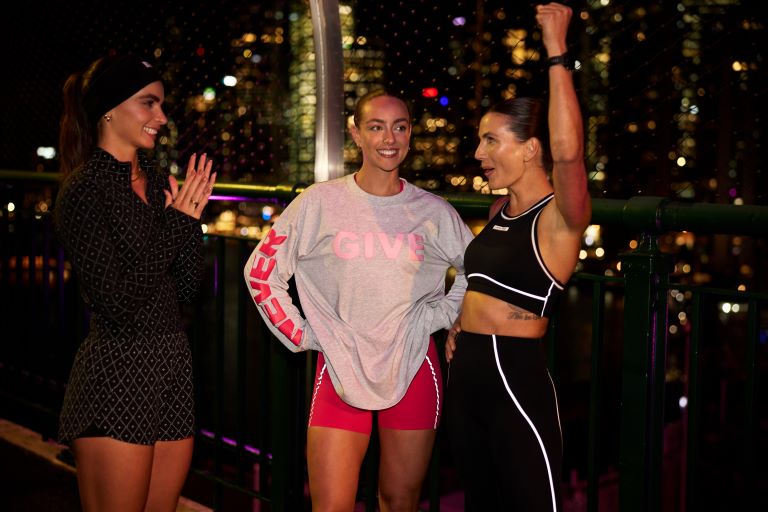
{"x":564,"y":59}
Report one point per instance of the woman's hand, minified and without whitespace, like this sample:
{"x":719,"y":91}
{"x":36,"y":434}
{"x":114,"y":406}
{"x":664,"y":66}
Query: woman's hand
{"x":450,"y":341}
{"x":198,"y":186}
{"x":554,"y":19}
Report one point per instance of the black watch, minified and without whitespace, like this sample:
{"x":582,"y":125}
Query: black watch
{"x":563,"y":59}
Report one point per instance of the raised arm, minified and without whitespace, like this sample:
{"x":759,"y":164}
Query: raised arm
{"x":566,"y":131}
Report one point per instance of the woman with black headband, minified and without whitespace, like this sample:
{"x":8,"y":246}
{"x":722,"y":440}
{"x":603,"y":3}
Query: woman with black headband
{"x":134,"y":239}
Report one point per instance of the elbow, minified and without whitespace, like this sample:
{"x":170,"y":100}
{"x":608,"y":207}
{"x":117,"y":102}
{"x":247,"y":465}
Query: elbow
{"x":582,"y":214}
{"x":568,"y":158}
{"x":567,"y":151}
{"x":576,"y":213}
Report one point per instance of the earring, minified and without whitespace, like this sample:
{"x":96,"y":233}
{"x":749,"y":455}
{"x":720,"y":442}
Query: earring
{"x":108,"y":117}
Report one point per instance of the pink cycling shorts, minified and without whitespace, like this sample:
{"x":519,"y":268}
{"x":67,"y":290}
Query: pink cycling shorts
{"x":419,"y":409}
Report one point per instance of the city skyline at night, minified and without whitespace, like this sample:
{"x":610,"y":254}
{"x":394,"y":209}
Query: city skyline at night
{"x":670,"y":95}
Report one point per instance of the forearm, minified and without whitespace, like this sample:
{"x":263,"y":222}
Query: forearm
{"x":566,"y":126}
{"x":569,"y":174}
{"x":270,"y":266}
{"x":187,"y":267}
{"x":566,"y":129}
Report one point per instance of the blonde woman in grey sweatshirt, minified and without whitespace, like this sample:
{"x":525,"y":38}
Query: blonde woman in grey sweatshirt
{"x":369,"y":253}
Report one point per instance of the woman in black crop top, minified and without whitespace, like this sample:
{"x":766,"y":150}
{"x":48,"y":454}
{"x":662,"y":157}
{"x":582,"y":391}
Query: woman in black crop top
{"x":501,"y":402}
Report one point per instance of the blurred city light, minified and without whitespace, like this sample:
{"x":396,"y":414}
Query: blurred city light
{"x":46,"y":152}
{"x":429,"y":92}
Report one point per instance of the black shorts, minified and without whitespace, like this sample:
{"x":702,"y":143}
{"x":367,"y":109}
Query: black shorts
{"x":134,"y":391}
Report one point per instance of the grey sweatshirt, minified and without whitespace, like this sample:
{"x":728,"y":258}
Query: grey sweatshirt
{"x":370,"y":272}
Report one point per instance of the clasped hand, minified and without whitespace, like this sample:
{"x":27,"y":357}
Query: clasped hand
{"x":192,"y":197}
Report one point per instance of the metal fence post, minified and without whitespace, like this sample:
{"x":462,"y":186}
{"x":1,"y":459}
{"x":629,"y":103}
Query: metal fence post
{"x":646,"y":272}
{"x":287,"y":468}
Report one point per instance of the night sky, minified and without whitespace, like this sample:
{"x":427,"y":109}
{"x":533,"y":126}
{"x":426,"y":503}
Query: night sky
{"x":642,"y":84}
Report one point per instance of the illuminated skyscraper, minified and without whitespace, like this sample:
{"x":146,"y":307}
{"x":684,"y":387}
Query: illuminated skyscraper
{"x":363,"y":71}
{"x":303,"y":99}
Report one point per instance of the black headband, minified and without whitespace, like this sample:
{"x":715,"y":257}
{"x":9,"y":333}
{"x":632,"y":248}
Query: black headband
{"x":118,"y":79}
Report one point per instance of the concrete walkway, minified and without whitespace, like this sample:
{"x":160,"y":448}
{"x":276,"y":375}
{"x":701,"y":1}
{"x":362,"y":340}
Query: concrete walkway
{"x":32,"y":478}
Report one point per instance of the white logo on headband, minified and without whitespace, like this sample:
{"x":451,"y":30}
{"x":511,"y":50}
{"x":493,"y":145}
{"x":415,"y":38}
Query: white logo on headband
{"x":146,"y":64}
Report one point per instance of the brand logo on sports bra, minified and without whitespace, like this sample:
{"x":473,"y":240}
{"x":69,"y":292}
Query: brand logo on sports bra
{"x":500,"y":228}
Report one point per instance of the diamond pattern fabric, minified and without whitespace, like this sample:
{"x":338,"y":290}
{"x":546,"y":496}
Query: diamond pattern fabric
{"x":132,"y":375}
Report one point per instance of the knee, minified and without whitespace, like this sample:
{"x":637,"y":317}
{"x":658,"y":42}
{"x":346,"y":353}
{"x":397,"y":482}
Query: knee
{"x":333,"y":498}
{"x":399,"y":500}
{"x":328,"y":504}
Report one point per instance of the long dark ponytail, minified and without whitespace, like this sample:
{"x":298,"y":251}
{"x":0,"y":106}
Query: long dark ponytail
{"x":77,"y":133}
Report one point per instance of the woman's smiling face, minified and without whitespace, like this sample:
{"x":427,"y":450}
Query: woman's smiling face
{"x":384,"y":133}
{"x":136,"y":121}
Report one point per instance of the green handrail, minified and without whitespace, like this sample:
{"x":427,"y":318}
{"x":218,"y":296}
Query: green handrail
{"x":648,"y":214}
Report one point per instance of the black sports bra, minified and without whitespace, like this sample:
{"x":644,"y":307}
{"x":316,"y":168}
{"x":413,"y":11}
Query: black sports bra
{"x":504,"y":261}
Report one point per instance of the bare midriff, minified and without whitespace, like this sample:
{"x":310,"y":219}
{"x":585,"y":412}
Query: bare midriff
{"x":483,"y":314}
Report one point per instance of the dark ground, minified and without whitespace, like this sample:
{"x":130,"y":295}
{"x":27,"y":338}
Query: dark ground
{"x":30,"y":483}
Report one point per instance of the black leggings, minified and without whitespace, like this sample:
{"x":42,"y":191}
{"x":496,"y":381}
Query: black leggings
{"x":504,"y":425}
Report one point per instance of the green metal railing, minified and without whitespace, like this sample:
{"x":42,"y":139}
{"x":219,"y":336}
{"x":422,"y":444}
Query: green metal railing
{"x":252,"y":436}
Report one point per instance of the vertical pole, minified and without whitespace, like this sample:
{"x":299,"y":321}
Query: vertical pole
{"x":329,"y":73}
{"x":241,"y":381}
{"x":280,"y":419}
{"x":219,"y":394}
{"x":750,"y":444}
{"x":693,"y":410}
{"x":595,"y":386}
{"x":646,"y":273}
{"x":287,"y":422}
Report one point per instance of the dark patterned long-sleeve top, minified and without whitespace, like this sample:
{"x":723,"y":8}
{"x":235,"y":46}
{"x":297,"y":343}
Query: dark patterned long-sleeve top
{"x":134,"y":261}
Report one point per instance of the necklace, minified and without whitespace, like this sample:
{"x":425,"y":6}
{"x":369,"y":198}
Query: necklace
{"x":138,"y":175}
